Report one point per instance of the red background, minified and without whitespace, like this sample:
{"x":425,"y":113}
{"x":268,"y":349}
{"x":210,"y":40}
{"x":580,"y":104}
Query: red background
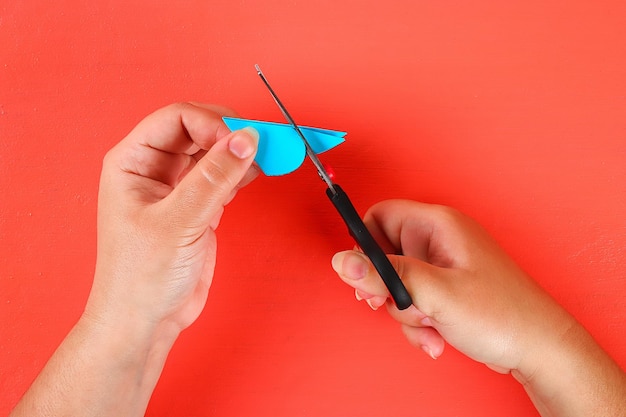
{"x":514,"y":112}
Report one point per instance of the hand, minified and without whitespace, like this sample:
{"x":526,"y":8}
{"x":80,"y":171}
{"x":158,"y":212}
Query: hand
{"x":163,"y":190}
{"x":468,"y":292}
{"x":465,"y":289}
{"x":162,"y":193}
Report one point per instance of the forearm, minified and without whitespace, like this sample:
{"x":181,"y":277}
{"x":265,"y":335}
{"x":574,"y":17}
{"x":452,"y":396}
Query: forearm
{"x":100,"y":370}
{"x":576,"y":378}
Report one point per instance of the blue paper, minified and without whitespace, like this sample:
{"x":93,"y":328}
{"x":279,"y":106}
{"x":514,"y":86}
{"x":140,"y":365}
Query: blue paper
{"x":281,"y":149}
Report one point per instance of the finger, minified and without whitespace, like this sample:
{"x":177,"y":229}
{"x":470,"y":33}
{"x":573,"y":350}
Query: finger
{"x":411,"y":316}
{"x":181,"y":128}
{"x":393,"y":219}
{"x":166,"y":144}
{"x":373,"y":301}
{"x":223,"y":110}
{"x":254,"y":170}
{"x":380,"y":236}
{"x":426,"y":283}
{"x":432,"y":233}
{"x":355,"y":269}
{"x":249,"y":176}
{"x":201,"y":195}
{"x":426,"y":339}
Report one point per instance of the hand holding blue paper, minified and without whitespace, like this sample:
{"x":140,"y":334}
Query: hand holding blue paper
{"x":281,"y":150}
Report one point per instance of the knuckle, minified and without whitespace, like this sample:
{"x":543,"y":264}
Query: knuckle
{"x":451,"y":219}
{"x":218,"y":176}
{"x":181,"y":105}
{"x":449,"y":215}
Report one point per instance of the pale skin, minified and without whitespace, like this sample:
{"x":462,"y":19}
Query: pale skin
{"x":162,"y":193}
{"x":466,"y":291}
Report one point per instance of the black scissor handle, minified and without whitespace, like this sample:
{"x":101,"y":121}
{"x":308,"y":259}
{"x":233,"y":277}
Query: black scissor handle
{"x":364,"y":239}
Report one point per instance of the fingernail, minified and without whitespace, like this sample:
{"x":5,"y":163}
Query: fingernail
{"x":376,"y":301}
{"x":357,"y":295}
{"x":373,"y":305}
{"x":428,"y":351}
{"x":244,"y":145}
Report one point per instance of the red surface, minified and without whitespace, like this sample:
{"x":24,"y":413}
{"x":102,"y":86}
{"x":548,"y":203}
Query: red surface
{"x":514,"y":112}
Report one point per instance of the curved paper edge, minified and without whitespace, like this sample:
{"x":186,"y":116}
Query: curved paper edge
{"x":281,"y":150}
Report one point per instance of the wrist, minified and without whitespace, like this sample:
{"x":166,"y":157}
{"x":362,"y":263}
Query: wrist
{"x":573,"y":376}
{"x":548,"y":344}
{"x":129,"y":337}
{"x":131,"y":354}
{"x":102,"y":369}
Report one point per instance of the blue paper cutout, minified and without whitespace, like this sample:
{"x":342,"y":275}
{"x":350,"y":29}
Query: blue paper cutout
{"x":281,"y":149}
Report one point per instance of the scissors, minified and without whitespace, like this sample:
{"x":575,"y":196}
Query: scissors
{"x":348,"y":213}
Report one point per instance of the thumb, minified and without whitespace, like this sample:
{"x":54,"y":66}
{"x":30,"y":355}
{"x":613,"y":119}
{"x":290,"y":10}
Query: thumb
{"x":199,"y":199}
{"x":423,"y":280}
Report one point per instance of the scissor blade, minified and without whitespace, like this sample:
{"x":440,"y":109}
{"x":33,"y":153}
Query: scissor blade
{"x":309,"y":151}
